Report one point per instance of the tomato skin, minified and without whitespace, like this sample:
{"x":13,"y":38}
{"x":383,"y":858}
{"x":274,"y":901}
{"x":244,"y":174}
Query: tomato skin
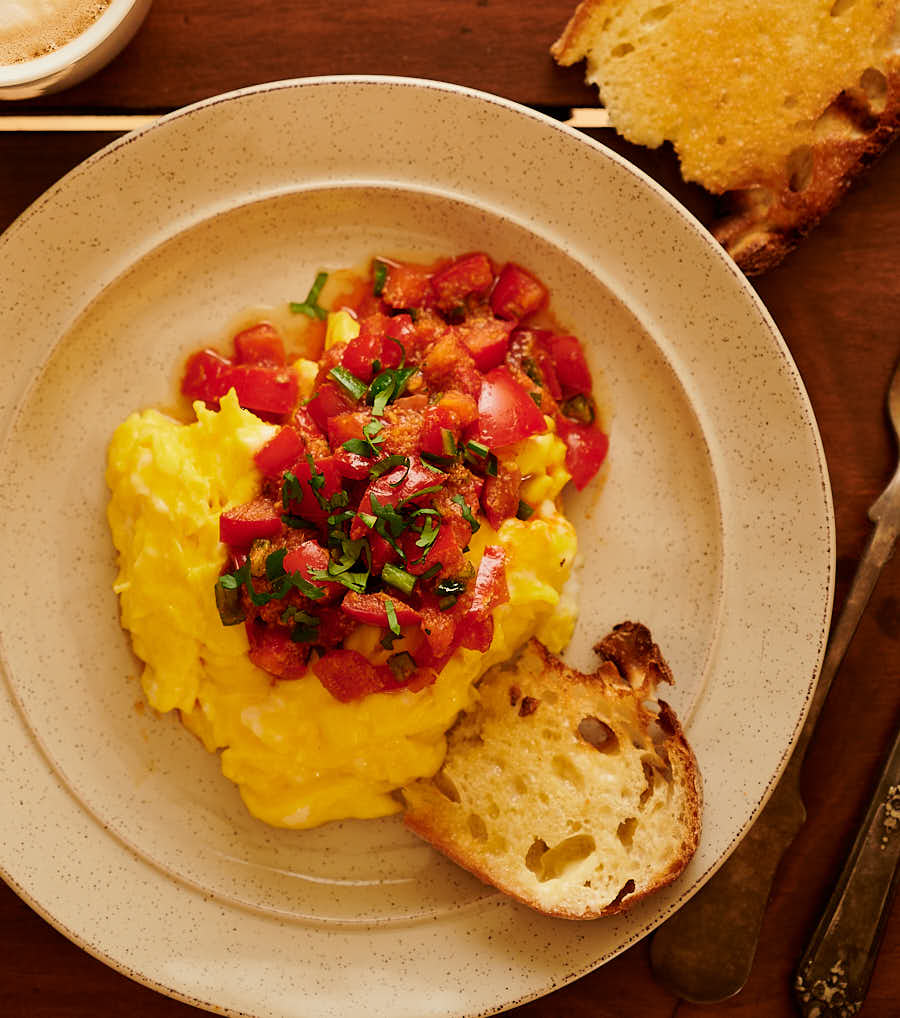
{"x":311,"y":555}
{"x":309,"y":507}
{"x":241,"y":526}
{"x":517,"y":293}
{"x":486,"y":339}
{"x":279,"y":452}
{"x":272,"y":649}
{"x":453,"y":413}
{"x":586,"y":449}
{"x":371,"y":609}
{"x":397,"y":485}
{"x":446,"y":550}
{"x":476,"y":628}
{"x":506,"y":413}
{"x":204,"y":376}
{"x":329,"y":401}
{"x":570,"y":367}
{"x":263,"y":388}
{"x":468,"y":275}
{"x":500,"y":494}
{"x":260,"y":344}
{"x":406,"y":286}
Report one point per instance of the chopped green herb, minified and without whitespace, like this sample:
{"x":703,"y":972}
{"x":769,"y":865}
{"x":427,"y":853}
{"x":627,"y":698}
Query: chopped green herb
{"x":454,"y":587}
{"x":402,"y":666}
{"x":429,"y":533}
{"x":432,"y":459}
{"x":448,"y":441}
{"x":291,"y":491}
{"x":275,"y":564}
{"x":525,"y":511}
{"x":297,"y":522}
{"x":536,"y":396}
{"x":388,"y":463}
{"x":310,"y":306}
{"x":430,"y":490}
{"x":477,"y":449}
{"x":432,"y":571}
{"x":393,"y":624}
{"x":466,"y":512}
{"x":398,"y":578}
{"x":446,"y":603}
{"x":580,"y":408}
{"x":379,"y":277}
{"x":348,"y":381}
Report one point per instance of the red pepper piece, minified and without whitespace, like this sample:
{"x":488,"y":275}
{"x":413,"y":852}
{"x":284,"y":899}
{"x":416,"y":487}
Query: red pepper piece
{"x":279,"y":452}
{"x":571,"y":369}
{"x":446,"y":550}
{"x":402,"y":484}
{"x":263,"y":388}
{"x":347,"y":675}
{"x":517,"y":293}
{"x":273,"y":650}
{"x":586,"y":449}
{"x":241,"y":526}
{"x":372,"y":609}
{"x":310,"y":505}
{"x":470,"y":274}
{"x":506,"y":413}
{"x":476,"y":628}
{"x":260,"y":344}
{"x":307,"y":556}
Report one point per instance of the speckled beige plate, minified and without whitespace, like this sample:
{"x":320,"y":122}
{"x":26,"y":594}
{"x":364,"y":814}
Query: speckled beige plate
{"x":714,"y":528}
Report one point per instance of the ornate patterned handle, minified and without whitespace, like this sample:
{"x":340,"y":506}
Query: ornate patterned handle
{"x":834,"y":974}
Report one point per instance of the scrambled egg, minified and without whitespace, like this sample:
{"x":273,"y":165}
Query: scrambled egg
{"x":299,"y":756}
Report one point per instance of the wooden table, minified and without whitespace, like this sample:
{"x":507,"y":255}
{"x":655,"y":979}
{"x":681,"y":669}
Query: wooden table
{"x":836,"y":301}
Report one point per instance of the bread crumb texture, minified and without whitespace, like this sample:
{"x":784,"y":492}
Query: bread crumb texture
{"x":577,"y":794}
{"x":738,"y":86}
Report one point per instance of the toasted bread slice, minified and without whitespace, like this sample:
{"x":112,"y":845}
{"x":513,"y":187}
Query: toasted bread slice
{"x":573,"y":793}
{"x":777,"y":104}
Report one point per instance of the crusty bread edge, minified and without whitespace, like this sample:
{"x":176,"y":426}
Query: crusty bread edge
{"x":683,"y":764}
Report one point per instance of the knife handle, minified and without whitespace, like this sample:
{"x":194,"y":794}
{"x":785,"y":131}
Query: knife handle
{"x":704,"y":952}
{"x":834,"y":973}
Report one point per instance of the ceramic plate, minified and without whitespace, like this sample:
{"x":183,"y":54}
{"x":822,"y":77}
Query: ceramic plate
{"x":713,"y":527}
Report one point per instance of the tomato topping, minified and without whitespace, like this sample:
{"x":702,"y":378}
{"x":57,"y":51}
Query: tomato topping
{"x":570,"y":366}
{"x":476,"y":628}
{"x":517,"y":293}
{"x":406,"y":286}
{"x":347,"y":675}
{"x":486,"y":338}
{"x":312,"y":556}
{"x":453,"y":413}
{"x":204,"y":376}
{"x":468,"y":275}
{"x":401,"y":485}
{"x":279,"y":452}
{"x":506,"y":413}
{"x":259,"y":345}
{"x":241,"y":526}
{"x":586,"y":448}
{"x":500,"y":494}
{"x":372,"y":609}
{"x":272,"y":649}
{"x":308,"y":493}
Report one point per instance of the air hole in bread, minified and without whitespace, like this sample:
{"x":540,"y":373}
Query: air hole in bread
{"x":790,"y":101}
{"x":520,"y":785}
{"x":800,"y":168}
{"x":625,"y":831}
{"x":477,"y":827}
{"x":445,"y":786}
{"x":535,"y":854}
{"x":598,"y":734}
{"x":875,"y":86}
{"x":839,"y":7}
{"x":622,"y":50}
{"x":721,"y":140}
{"x":557,"y":861}
{"x":656,"y":15}
{"x":649,"y":782}
{"x":565,"y":769}
{"x":550,"y":697}
{"x":493,"y":810}
{"x":627,"y":888}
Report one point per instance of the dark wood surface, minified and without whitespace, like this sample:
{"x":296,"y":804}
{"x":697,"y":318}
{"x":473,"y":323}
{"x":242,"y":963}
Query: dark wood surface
{"x":836,"y":301}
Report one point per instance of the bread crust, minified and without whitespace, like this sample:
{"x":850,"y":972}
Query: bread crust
{"x":628,"y":653}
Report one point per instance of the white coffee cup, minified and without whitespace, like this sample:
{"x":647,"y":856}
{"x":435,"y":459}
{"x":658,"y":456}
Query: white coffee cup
{"x":78,"y":58}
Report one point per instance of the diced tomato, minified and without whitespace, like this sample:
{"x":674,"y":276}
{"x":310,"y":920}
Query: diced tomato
{"x":347,"y":675}
{"x":259,"y":345}
{"x":307,"y":556}
{"x":362,"y":352}
{"x":402,"y":484}
{"x":273,"y":650}
{"x":586,"y":448}
{"x":313,"y":499}
{"x":421,"y":679}
{"x":439,"y":629}
{"x":506,"y":413}
{"x":486,"y":338}
{"x":454,"y":412}
{"x":570,"y":366}
{"x":471,"y":274}
{"x":304,"y":424}
{"x":500,"y":495}
{"x":372,"y":609}
{"x":382,"y":552}
{"x":517,"y":293}
{"x":548,"y":372}
{"x":351,"y":465}
{"x":380,"y":339}
{"x":263,"y":388}
{"x":347,"y":426}
{"x":449,"y":365}
{"x":329,"y":401}
{"x":279,"y":452}
{"x":446,"y":549}
{"x":204,"y":376}
{"x":476,"y":628}
{"x":241,"y":526}
{"x":406,"y":286}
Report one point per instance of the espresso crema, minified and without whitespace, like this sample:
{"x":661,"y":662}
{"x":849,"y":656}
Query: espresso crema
{"x":31,"y":28}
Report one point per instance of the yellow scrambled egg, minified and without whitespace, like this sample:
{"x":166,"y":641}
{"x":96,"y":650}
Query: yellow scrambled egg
{"x":299,"y":756}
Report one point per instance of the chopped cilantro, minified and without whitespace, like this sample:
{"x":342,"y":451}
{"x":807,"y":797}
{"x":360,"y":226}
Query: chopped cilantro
{"x":310,"y":306}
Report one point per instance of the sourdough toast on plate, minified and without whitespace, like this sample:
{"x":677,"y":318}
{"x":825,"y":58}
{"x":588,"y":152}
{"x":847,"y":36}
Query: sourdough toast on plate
{"x":775,"y":105}
{"x":576,"y":794}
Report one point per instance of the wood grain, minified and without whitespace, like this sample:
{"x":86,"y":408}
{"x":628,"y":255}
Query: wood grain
{"x":837,"y":304}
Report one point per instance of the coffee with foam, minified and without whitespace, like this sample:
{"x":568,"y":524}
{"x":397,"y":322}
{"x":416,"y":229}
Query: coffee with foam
{"x":31,"y":28}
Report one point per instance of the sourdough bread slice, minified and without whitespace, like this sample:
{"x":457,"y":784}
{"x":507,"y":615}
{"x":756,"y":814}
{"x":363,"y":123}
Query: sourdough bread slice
{"x":777,"y":104}
{"x":576,"y":794}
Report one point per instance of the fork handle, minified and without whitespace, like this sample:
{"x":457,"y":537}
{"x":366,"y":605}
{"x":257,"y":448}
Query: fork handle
{"x":834,"y":973}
